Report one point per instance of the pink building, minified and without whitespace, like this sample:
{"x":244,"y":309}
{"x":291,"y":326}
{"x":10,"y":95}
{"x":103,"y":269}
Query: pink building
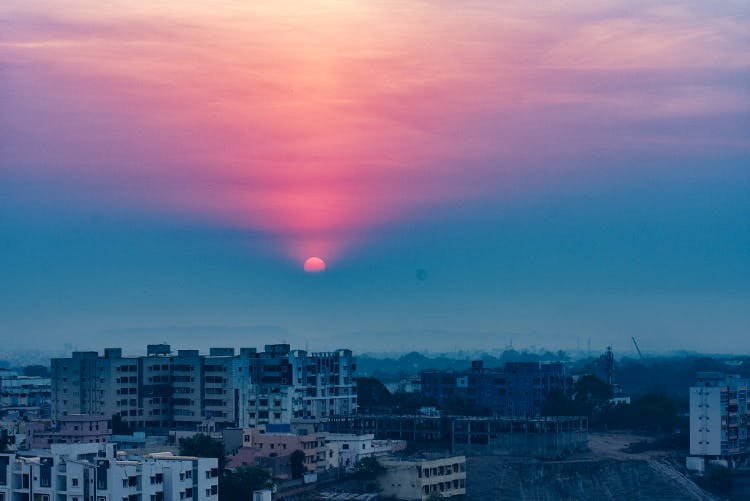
{"x":72,"y":429}
{"x":261,"y":448}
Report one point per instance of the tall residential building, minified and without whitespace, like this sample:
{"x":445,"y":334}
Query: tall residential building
{"x":191,"y":391}
{"x":292,"y":385}
{"x":719,"y":416}
{"x":518,"y":389}
{"x":98,"y":472}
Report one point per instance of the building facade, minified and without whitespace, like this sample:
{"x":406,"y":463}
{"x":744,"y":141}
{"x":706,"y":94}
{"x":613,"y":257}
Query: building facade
{"x":720,"y":416}
{"x":519,"y":389}
{"x":423,"y":478}
{"x":72,"y":429}
{"x":24,"y":391}
{"x":97,"y":472}
{"x":190,"y":391}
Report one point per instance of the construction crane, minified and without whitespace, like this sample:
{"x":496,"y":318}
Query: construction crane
{"x":636,"y":347}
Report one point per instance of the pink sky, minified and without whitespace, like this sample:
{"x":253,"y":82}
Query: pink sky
{"x":316,"y":121}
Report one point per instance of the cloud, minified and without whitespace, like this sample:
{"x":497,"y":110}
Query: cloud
{"x":315,"y":123}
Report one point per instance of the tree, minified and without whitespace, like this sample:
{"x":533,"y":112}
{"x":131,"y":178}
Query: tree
{"x":372,"y":395}
{"x":297,"y":463}
{"x":591,"y":395}
{"x":120,"y":427}
{"x":203,"y":446}
{"x":4,"y":440}
{"x":560,"y":404}
{"x":36,"y":370}
{"x":368,"y":468}
{"x":240,"y":483}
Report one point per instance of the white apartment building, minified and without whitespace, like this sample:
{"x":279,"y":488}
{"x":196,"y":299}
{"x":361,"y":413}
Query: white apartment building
{"x":422,"y":478}
{"x":344,"y":450}
{"x":720,"y":416}
{"x":190,"y":391}
{"x":98,"y":472}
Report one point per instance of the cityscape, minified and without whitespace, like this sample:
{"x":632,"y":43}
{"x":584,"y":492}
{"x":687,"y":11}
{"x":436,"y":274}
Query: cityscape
{"x":283,"y":423}
{"x":374,"y":250}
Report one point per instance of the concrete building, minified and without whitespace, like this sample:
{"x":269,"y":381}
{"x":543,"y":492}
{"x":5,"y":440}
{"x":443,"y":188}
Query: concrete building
{"x":295,"y":385}
{"x":267,"y":442}
{"x":24,"y":391}
{"x":720,"y":417}
{"x":345,"y":450}
{"x":72,"y":429}
{"x":421,"y":478}
{"x":545,"y":437}
{"x":190,"y":391}
{"x":518,"y":389}
{"x":97,"y":472}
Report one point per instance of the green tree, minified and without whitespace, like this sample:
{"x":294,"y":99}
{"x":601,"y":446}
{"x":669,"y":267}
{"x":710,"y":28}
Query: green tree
{"x":203,"y":446}
{"x":372,"y":395}
{"x":4,"y":440}
{"x":120,"y":427}
{"x":368,"y":468}
{"x":297,"y":463}
{"x":36,"y":370}
{"x":560,"y":404}
{"x":240,"y":483}
{"x":591,"y":395}
{"x":718,"y":479}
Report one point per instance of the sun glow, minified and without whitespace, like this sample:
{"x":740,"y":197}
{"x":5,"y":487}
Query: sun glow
{"x":315,"y":265}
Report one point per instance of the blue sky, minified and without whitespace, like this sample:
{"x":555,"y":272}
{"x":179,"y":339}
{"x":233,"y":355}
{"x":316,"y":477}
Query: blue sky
{"x":558,"y":173}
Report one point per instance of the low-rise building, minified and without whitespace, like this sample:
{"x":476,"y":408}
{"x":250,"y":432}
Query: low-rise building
{"x":345,"y":450}
{"x":263,"y":443}
{"x":25,"y":392}
{"x":82,"y":472}
{"x":421,"y":478}
{"x":72,"y":429}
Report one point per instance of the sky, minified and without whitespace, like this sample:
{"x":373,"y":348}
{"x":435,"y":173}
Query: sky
{"x":474,"y":174}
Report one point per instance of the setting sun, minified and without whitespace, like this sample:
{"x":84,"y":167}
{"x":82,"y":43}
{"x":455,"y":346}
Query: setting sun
{"x":315,"y":265}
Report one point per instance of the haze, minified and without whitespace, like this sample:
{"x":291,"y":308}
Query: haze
{"x":470,"y":172}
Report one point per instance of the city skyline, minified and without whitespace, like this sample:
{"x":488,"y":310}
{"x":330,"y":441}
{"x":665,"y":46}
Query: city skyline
{"x":470,"y":174}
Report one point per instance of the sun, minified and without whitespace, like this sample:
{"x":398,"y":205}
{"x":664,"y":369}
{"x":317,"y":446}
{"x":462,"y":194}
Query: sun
{"x":315,"y":264}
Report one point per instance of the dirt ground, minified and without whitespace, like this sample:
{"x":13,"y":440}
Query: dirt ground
{"x":611,"y":446}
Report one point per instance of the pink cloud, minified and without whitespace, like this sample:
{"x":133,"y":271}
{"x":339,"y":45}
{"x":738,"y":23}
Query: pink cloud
{"x":315,"y":123}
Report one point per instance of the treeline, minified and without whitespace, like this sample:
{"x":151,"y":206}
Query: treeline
{"x":590,"y":397}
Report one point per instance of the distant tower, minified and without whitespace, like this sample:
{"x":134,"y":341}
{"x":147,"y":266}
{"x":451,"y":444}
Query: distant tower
{"x":609,"y":364}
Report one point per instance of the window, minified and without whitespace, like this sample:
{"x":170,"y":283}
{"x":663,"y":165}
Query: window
{"x":74,"y":482}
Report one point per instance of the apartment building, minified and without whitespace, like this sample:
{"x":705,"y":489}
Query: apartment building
{"x":280,"y":441}
{"x":296,"y":385}
{"x":720,"y":416}
{"x":23,"y":391}
{"x":71,"y":429}
{"x":190,"y":391}
{"x":518,"y":389}
{"x":98,"y":472}
{"x":423,"y":478}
